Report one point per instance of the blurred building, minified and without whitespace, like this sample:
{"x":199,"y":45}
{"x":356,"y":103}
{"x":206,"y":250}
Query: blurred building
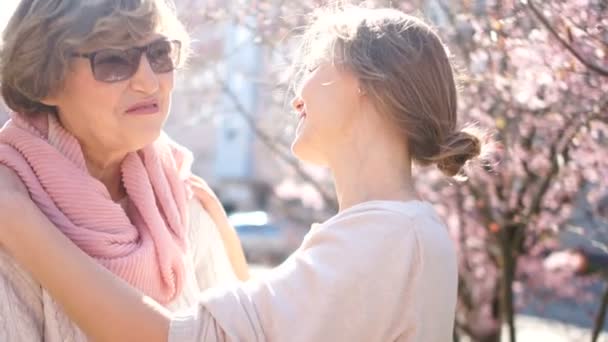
{"x":216,"y":102}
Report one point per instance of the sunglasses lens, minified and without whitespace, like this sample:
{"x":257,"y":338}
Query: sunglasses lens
{"x":114,"y":65}
{"x":118,"y":65}
{"x":163,"y":56}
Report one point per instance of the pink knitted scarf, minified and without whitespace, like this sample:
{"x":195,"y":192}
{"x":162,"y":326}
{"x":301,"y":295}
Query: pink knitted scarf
{"x":145,"y":244}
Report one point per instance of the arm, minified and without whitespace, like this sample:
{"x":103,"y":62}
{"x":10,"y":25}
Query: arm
{"x":231,"y":240}
{"x":127,"y":314}
{"x":320,"y":287}
{"x":318,"y":292}
{"x":21,"y":310}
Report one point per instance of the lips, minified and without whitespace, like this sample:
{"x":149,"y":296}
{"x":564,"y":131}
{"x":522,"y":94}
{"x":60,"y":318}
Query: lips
{"x":144,"y":107}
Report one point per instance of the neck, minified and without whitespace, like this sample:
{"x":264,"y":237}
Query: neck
{"x":106,"y":168}
{"x":102,"y":164}
{"x":370,"y":171}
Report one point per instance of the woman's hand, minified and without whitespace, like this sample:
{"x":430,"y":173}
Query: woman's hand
{"x":216,"y":211}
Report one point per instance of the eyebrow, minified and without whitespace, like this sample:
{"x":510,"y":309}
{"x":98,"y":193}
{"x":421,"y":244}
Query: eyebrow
{"x":88,"y":52}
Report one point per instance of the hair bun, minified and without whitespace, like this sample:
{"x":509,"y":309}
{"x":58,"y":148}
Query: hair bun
{"x":458,"y":148}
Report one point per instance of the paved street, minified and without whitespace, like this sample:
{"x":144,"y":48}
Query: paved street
{"x":534,"y":329}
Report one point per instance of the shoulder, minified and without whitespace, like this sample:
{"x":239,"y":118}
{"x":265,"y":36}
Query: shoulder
{"x":386,"y":217}
{"x":21,"y":311}
{"x":411,"y":232}
{"x":414,"y":224}
{"x":373,"y":230}
{"x":14,"y":279}
{"x":15,"y":283}
{"x":9,"y":180}
{"x":383,"y":230}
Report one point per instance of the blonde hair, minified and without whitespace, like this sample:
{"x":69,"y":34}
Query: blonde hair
{"x":404,"y":68}
{"x":42,"y":34}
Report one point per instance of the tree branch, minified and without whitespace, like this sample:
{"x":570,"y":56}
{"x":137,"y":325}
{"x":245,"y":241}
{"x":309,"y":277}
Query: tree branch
{"x":589,"y":64}
{"x":557,"y":150}
{"x":554,"y":156}
{"x":601,"y":316}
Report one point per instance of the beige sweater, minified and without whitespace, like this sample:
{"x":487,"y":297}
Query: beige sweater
{"x":379,"y":271}
{"x":29,"y":314}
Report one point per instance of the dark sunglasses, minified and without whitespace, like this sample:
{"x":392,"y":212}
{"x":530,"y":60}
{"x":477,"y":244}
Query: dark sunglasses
{"x":114,"y":65}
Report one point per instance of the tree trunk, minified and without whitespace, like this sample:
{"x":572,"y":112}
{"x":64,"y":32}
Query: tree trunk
{"x":506,"y":288}
{"x":601,"y":316}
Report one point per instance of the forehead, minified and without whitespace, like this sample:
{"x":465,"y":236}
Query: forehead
{"x":125,"y":43}
{"x":118,"y":24}
{"x":319,"y":47}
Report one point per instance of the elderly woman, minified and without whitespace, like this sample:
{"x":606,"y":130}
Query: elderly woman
{"x":89,"y":84}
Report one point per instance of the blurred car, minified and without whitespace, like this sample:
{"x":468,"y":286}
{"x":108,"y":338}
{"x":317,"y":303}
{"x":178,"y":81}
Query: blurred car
{"x":263,"y":241}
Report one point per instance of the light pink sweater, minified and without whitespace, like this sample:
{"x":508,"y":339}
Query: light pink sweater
{"x":379,"y":271}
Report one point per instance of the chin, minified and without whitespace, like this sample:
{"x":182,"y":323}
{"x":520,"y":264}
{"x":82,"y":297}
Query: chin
{"x":307,"y":154}
{"x":143,"y":139}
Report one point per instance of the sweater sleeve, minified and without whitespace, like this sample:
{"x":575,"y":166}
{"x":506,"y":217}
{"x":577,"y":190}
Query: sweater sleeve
{"x":338,"y":286}
{"x":21,"y":309}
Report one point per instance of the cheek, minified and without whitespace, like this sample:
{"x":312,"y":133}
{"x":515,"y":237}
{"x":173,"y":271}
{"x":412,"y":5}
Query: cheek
{"x":166,"y":84}
{"x":332,"y":110}
{"x":83,"y":95}
{"x":166,"y":81}
{"x":345,"y":103}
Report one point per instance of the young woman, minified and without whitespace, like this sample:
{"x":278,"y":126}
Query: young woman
{"x":377,"y":95}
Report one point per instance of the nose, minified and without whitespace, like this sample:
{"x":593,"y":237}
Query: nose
{"x":298,"y":104}
{"x":145,"y":79}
